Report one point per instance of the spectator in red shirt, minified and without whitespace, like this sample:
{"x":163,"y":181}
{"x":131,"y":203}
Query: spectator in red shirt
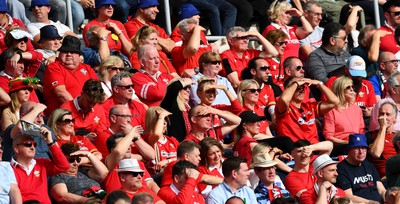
{"x":183,"y":187}
{"x":278,"y":39}
{"x":388,"y":42}
{"x":87,"y":111}
{"x":237,"y":57}
{"x":65,"y":77}
{"x":325,"y":171}
{"x":122,"y":92}
{"x":130,"y":175}
{"x":31,"y":174}
{"x":149,"y":82}
{"x":147,"y":11}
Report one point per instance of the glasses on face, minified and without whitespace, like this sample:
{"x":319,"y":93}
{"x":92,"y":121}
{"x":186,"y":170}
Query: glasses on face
{"x":23,"y":40}
{"x":130,"y":86}
{"x":349,"y":87}
{"x":288,"y":13}
{"x":96,"y":89}
{"x":68,"y":121}
{"x":264,"y":68}
{"x":215,"y":62}
{"x":124,"y":116}
{"x":242,"y":37}
{"x":392,"y":61}
{"x":28,"y":143}
{"x":186,"y":87}
{"x":135,"y":174}
{"x":108,"y":5}
{"x":281,"y":43}
{"x":299,"y":67}
{"x":73,"y":159}
{"x":344,"y":38}
{"x":116,"y":69}
{"x":253,"y":90}
{"x":396,"y":13}
{"x":210,"y":91}
{"x":315,"y":13}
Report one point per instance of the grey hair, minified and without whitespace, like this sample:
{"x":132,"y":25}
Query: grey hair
{"x":184,"y":24}
{"x":309,"y":4}
{"x":232,"y":32}
{"x":395,"y":109}
{"x":144,"y":49}
{"x":116,"y":79}
{"x":393,"y":79}
{"x":90,"y":35}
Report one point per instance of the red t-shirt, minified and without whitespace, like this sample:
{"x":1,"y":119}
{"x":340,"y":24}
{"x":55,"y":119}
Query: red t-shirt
{"x":137,"y":109}
{"x":93,"y":121}
{"x":181,"y":64}
{"x":114,"y":43}
{"x":388,"y":42}
{"x":150,"y":90}
{"x":277,"y":71}
{"x":310,"y":196}
{"x":297,"y":181}
{"x":165,"y":65}
{"x":299,"y":123}
{"x":133,"y":25}
{"x":215,"y":133}
{"x":266,"y":97}
{"x":142,"y":189}
{"x":366,"y":94}
{"x":242,"y":148}
{"x":73,"y":80}
{"x":187,"y":195}
{"x":238,"y":64}
{"x":293,"y":44}
{"x":388,"y":151}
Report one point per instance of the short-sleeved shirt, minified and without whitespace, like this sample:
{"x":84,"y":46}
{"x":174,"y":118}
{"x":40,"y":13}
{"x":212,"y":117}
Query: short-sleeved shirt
{"x":236,"y":63}
{"x":296,"y":181}
{"x":314,"y":40}
{"x":73,"y":80}
{"x":242,"y":148}
{"x":75,"y":184}
{"x":266,"y":97}
{"x":133,"y":25}
{"x":165,"y":65}
{"x":277,"y":71}
{"x":8,"y":178}
{"x":299,"y":123}
{"x":361,"y":179}
{"x":181,"y":64}
{"x":388,"y":42}
{"x":388,"y":151}
{"x":137,"y":109}
{"x":222,"y":192}
{"x":34,"y":28}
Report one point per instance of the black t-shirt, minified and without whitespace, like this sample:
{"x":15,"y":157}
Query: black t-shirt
{"x":362,"y":179}
{"x":75,"y":185}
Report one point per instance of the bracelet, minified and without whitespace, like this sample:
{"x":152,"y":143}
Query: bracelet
{"x":320,"y":83}
{"x":119,"y":33}
{"x":20,"y":54}
{"x":51,"y":143}
{"x":296,"y":83}
{"x":301,"y":16}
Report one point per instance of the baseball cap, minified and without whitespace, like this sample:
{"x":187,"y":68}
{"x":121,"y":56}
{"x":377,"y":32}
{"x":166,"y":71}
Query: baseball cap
{"x":356,"y":66}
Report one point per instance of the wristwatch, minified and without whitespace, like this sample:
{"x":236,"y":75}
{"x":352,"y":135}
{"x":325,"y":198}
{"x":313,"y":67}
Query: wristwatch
{"x":136,"y":139}
{"x":104,"y":38}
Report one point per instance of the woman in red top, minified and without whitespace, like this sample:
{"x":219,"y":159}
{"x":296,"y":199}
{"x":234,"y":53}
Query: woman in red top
{"x":248,"y":94}
{"x":278,"y":39}
{"x":165,"y":147}
{"x":211,"y":162}
{"x":62,"y":125}
{"x":149,"y":35}
{"x":280,"y":13}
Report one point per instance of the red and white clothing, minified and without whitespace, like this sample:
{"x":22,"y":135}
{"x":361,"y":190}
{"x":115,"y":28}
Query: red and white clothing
{"x":84,"y":143}
{"x":237,"y":64}
{"x":150,"y":90}
{"x":277,"y":71}
{"x":165,"y":65}
{"x":142,"y":189}
{"x":73,"y":80}
{"x":92,"y":121}
{"x":242,"y":148}
{"x":181,"y":63}
{"x":205,"y":189}
{"x":293,"y":43}
{"x":12,"y":22}
{"x":311,"y":196}
{"x":388,"y":42}
{"x":133,"y":25}
{"x":365,"y":96}
{"x":215,"y":133}
{"x":187,"y":195}
{"x":165,"y":149}
{"x":137,"y":109}
{"x":388,"y":151}
{"x":114,"y":43}
{"x":299,"y":123}
{"x":32,"y":182}
{"x":297,"y":181}
{"x":266,"y":97}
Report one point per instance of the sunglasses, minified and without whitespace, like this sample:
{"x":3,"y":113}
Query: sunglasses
{"x":242,"y":37}
{"x":215,"y":62}
{"x":396,"y":13}
{"x":68,"y":121}
{"x":210,"y":91}
{"x":264,"y":68}
{"x":186,"y":87}
{"x":127,"y":86}
{"x":28,"y":143}
{"x":73,"y":159}
{"x":23,"y":40}
{"x":124,"y":116}
{"x":116,"y":69}
{"x":282,"y":43}
{"x":349,"y":87}
{"x":253,"y":90}
{"x":299,"y":67}
{"x":135,"y":174}
{"x":96,"y":89}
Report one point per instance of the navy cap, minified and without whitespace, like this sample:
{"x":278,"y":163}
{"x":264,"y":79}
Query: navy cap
{"x":147,"y":3}
{"x":3,"y":6}
{"x":49,"y":32}
{"x":357,"y":140}
{"x":187,"y":11}
{"x":39,"y":3}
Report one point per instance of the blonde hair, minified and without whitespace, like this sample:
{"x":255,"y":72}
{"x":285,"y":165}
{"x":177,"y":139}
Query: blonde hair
{"x":339,"y":87}
{"x":141,"y":35}
{"x":202,"y":82}
{"x":111,"y":60}
{"x":14,"y":104}
{"x":243,"y":86}
{"x":276,"y":8}
{"x":56,"y":117}
{"x":152,"y":118}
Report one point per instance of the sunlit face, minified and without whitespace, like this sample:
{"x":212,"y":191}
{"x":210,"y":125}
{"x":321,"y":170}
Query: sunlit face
{"x":391,"y":17}
{"x":65,"y":126}
{"x":23,"y":95}
{"x":41,"y":12}
{"x":17,"y":71}
{"x":24,"y":151}
{"x":239,"y":44}
{"x":185,"y":93}
{"x":151,"y":40}
{"x":284,"y":17}
{"x":390,"y":64}
{"x":329,"y":173}
{"x":194,"y":157}
{"x":69,"y":59}
{"x":203,"y":121}
{"x":214,"y":156}
{"x":73,"y":166}
{"x":242,"y":175}
{"x":296,"y":69}
{"x":252,"y":128}
{"x":314,"y":16}
{"x":51,"y":44}
{"x":280,"y":45}
{"x":298,"y":95}
{"x":387,"y":112}
{"x":150,"y":13}
{"x":124,"y":89}
{"x":106,"y":10}
{"x":250,"y":94}
{"x":151,"y":61}
{"x":213,"y":66}
{"x":349,"y":93}
{"x":340,"y":41}
{"x":266,"y":174}
{"x":133,"y":183}
{"x":123,"y":116}
{"x":114,"y":69}
{"x":300,"y":157}
{"x":208,"y":95}
{"x":262,"y":70}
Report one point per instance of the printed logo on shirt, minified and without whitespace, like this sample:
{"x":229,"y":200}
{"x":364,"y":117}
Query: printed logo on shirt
{"x":166,"y":81}
{"x":84,"y":72}
{"x":36,"y":173}
{"x":361,"y":94}
{"x":363,"y":179}
{"x":96,"y":120}
{"x":168,"y":154}
{"x":54,"y":83}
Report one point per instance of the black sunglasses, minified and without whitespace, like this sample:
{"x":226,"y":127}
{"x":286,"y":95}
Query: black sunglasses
{"x":68,"y":121}
{"x":299,"y":67}
{"x":202,"y":116}
{"x":96,"y":89}
{"x":124,"y":116}
{"x":264,"y":68}
{"x":135,"y":174}
{"x":127,"y":86}
{"x":349,"y":87}
{"x":210,"y":91}
{"x":73,"y":159}
{"x":186,"y":87}
{"x":242,"y":37}
{"x":215,"y":62}
{"x":253,"y":90}
{"x":28,"y":144}
{"x":282,"y":43}
{"x":396,"y":13}
{"x":23,"y":39}
{"x":116,"y":69}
